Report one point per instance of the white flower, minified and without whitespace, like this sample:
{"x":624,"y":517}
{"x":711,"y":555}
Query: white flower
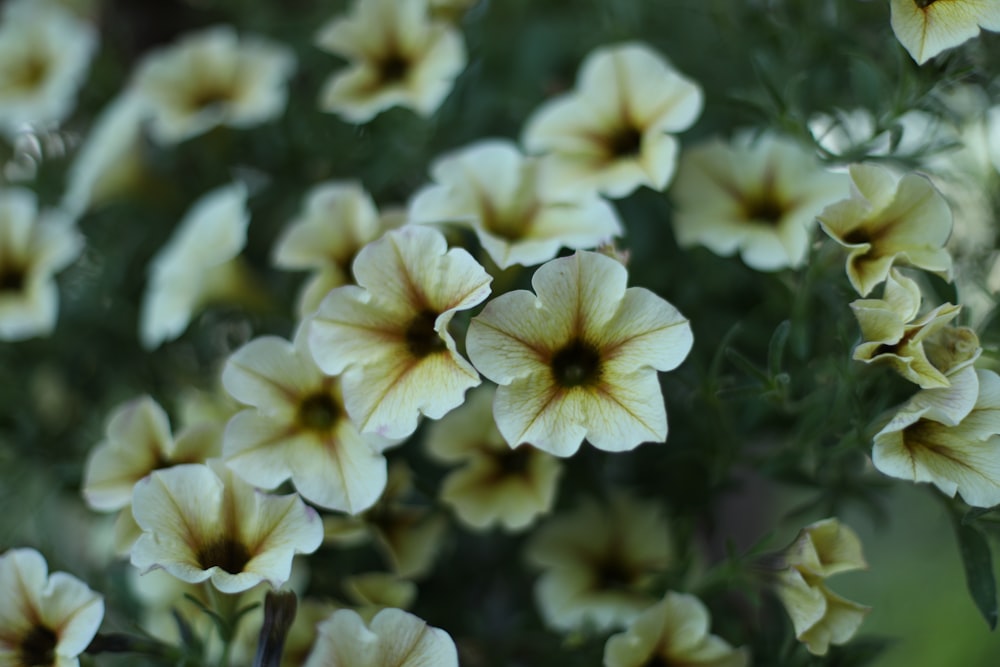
{"x":394,"y":638}
{"x":928,"y":27}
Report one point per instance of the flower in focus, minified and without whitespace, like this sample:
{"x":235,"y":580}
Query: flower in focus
{"x":44,"y":55}
{"x":213,"y":77}
{"x":925,"y":28}
{"x":33,"y":247}
{"x":598,"y":563}
{"x":674,"y":631}
{"x":614,"y":132}
{"x":494,"y":189}
{"x":497,"y":484}
{"x":389,"y":336}
{"x":579,"y":360}
{"x":398,"y":56}
{"x":886,"y":221}
{"x":820,"y":616}
{"x":196,"y":266}
{"x":393,"y":638}
{"x":758,"y":196}
{"x":297,"y":428}
{"x":201,"y":522}
{"x":44,"y":619}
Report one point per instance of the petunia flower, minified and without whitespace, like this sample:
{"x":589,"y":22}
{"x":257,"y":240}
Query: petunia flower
{"x":45,"y":619}
{"x":389,"y":336}
{"x":598,"y":562}
{"x":196,"y":266}
{"x":371,"y":592}
{"x":33,"y":247}
{"x":297,"y":428}
{"x":213,"y":77}
{"x":497,"y":484}
{"x":614,"y":131}
{"x":394,"y":638}
{"x":494,"y":189}
{"x":203,"y":523}
{"x":888,"y":221}
{"x":674,"y":631}
{"x":758,"y":196}
{"x":579,"y":360}
{"x":398,"y":56}
{"x":925,"y":28}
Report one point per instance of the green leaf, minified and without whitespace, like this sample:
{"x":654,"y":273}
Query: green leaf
{"x":776,"y":348}
{"x":978,"y":562}
{"x":976,"y":512}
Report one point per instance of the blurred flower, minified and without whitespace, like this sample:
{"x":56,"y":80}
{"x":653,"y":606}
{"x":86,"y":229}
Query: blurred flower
{"x":389,"y":337}
{"x":202,"y":523}
{"x":450,"y":10}
{"x":949,"y":437}
{"x":394,"y":637}
{"x":33,"y":247}
{"x":614,"y":132}
{"x":758,"y":196}
{"x":372,"y":592}
{"x":598,"y":562}
{"x":44,"y":54}
{"x":887,"y":221}
{"x":213,"y":77}
{"x":44,"y":619}
{"x":490,"y":186}
{"x":297,"y":428}
{"x":398,"y":56}
{"x":820,"y":616}
{"x":195,"y":266}
{"x":674,"y":631}
{"x":497,"y":484}
{"x":925,"y":28}
{"x":579,"y":360}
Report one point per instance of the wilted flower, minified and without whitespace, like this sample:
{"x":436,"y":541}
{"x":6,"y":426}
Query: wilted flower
{"x":398,"y":55}
{"x":925,"y":28}
{"x":758,"y":196}
{"x":614,"y":132}
{"x":494,"y":189}
{"x":393,"y":638}
{"x":579,"y":360}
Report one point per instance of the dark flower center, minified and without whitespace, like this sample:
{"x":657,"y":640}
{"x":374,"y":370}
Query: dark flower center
{"x":393,"y":68}
{"x":11,"y":279}
{"x":421,"y":338}
{"x":657,"y":661}
{"x":578,"y":363}
{"x":38,"y":647}
{"x":515,"y":462}
{"x":30,"y":74}
{"x":613,"y":575}
{"x":210,"y":96}
{"x":764,"y":209}
{"x":626,"y":142}
{"x":856,"y":236}
{"x":318,"y":412}
{"x":226,"y":553}
{"x":924,"y":3}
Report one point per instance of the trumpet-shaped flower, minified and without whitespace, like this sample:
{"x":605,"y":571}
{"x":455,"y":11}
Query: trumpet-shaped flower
{"x":394,"y":638}
{"x":579,"y":360}
{"x":202,"y":523}
{"x":398,"y":55}
{"x":297,"y":428}
{"x":494,"y":189}
{"x":388,"y":335}
{"x":598,"y":562}
{"x":33,"y":247}
{"x":196,"y":265}
{"x":44,"y":619}
{"x":674,"y":631}
{"x":886,"y":221}
{"x":496,"y":484}
{"x":614,"y":132}
{"x":758,"y":196}
{"x":925,"y":28}
{"x":213,"y":77}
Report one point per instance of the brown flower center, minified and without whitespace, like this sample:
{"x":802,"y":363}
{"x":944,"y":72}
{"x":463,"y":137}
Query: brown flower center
{"x":421,"y":338}
{"x":318,"y":412}
{"x":922,"y":4}
{"x":29,"y":74}
{"x":38,"y":647}
{"x":515,"y":462}
{"x":764,"y":208}
{"x":208,"y":96}
{"x":626,"y":142}
{"x":612,"y":574}
{"x":11,"y":279}
{"x":226,"y":553}
{"x":576,"y":364}
{"x":393,"y":68}
{"x":657,"y":661}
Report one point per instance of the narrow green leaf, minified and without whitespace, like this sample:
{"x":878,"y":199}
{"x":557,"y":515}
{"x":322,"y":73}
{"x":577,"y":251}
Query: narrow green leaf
{"x":747,"y":366}
{"x":978,"y":562}
{"x":776,"y":348}
{"x":976,"y":512}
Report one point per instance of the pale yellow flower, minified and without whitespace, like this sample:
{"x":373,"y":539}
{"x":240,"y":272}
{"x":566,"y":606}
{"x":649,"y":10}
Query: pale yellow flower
{"x":493,"y":188}
{"x":297,"y":428}
{"x":45,"y":619}
{"x":371,"y":592}
{"x":202,"y":523}
{"x":598,"y":562}
{"x":579,"y":360}
{"x":497,"y":485}
{"x":614,"y":132}
{"x":925,"y":28}
{"x":757,"y":195}
{"x":673,"y":632}
{"x":398,"y":56}
{"x":389,"y":334}
{"x":213,"y":77}
{"x":33,"y":247}
{"x":394,"y":638}
{"x":888,"y":221}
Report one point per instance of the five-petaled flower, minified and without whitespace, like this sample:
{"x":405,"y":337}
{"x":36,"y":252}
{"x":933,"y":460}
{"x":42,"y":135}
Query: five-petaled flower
{"x":394,"y":638}
{"x":925,"y":28}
